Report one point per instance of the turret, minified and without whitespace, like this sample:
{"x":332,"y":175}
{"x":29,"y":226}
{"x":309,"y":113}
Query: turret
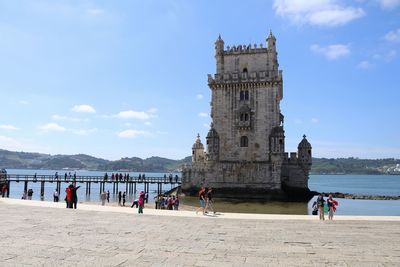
{"x":304,"y":153}
{"x":271,"y":42}
{"x":212,"y":144}
{"x":198,"y":150}
{"x":277,"y":140}
{"x":219,"y":54}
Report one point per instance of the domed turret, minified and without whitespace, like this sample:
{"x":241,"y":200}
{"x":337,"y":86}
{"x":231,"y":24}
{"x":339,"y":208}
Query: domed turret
{"x":219,"y":46}
{"x":197,"y":150}
{"x":304,"y":152}
{"x":271,"y":41}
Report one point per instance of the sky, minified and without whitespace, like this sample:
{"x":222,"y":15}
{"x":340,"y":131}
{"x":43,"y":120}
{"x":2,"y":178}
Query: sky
{"x":128,"y":78}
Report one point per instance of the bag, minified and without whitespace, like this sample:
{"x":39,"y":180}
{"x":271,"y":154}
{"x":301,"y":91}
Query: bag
{"x":315,"y":212}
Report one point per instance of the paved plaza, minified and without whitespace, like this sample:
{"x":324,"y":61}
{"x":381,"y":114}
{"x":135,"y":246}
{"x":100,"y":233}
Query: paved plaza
{"x":46,"y":234}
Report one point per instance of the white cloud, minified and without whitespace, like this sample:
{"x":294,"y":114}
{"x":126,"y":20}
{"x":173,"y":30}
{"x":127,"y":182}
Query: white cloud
{"x":389,"y":4}
{"x":84,"y":109}
{"x":61,"y":118}
{"x":95,"y":11}
{"x":152,"y":110}
{"x":364,"y":65}
{"x":8,"y":127}
{"x":206,"y":125}
{"x":331,"y":52}
{"x":393,"y":36}
{"x":199,"y":96}
{"x":132,"y":114}
{"x":317,"y":12}
{"x":127,"y":124}
{"x":84,"y":131}
{"x":23,"y":102}
{"x":52,"y":127}
{"x":203,"y":114}
{"x":314,"y":120}
{"x":132,"y":133}
{"x":389,"y":56}
{"x":10,"y":143}
{"x":147,"y":123}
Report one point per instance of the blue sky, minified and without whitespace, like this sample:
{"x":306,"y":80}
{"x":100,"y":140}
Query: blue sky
{"x":119,"y":79}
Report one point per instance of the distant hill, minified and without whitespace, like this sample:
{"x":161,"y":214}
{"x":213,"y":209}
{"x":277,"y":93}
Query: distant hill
{"x":24,"y":160}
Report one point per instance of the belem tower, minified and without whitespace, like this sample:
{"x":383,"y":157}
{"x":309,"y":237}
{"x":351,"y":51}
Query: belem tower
{"x":245,"y":156}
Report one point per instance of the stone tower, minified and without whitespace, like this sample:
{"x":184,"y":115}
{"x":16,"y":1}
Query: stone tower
{"x":246,"y":141}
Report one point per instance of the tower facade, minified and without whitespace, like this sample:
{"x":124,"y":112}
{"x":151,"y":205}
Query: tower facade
{"x":246,"y":142}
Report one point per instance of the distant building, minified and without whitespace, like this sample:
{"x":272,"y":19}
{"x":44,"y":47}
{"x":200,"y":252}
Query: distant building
{"x":245,"y":154}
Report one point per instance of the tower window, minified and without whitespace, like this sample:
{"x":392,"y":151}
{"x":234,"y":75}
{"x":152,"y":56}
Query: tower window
{"x":244,"y":95}
{"x":244,"y":141}
{"x":244,"y":116}
{"x":245,"y":70}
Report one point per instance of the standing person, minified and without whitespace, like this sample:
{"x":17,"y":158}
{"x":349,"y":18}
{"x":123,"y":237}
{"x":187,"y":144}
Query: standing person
{"x":68,"y":196}
{"x":123,"y":198}
{"x":176,"y":203}
{"x":119,"y":197}
{"x":210,"y":203}
{"x":103,"y":197}
{"x":331,"y":206}
{"x":56,"y":175}
{"x":30,"y":193}
{"x":55,"y":196}
{"x":202,"y":199}
{"x":141,"y":202}
{"x":74,"y":195}
{"x":4,"y":190}
{"x":320,"y":205}
{"x":170,"y":203}
{"x":108,"y":196}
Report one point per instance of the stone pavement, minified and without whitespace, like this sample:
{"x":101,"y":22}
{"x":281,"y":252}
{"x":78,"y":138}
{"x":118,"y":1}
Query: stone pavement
{"x":46,"y":234}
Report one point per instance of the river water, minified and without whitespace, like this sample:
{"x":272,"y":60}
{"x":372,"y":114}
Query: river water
{"x":355,"y":184}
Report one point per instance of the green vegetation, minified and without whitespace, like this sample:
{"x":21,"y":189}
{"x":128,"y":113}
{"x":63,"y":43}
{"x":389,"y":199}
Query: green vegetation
{"x":23,"y":160}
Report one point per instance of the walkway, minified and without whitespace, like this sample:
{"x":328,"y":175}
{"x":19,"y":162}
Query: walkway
{"x":44,"y":233}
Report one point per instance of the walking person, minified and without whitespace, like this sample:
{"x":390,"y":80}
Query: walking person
{"x":141,"y":203}
{"x":119,"y":197}
{"x":202,"y":200}
{"x":320,"y":205}
{"x":331,"y":206}
{"x":108,"y":196}
{"x":103,"y":197}
{"x":210,"y":203}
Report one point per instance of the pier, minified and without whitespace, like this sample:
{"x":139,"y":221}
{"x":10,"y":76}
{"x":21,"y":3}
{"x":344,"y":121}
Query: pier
{"x":126,"y":183}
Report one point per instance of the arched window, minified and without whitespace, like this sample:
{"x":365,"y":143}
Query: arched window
{"x":244,"y":116}
{"x":244,"y":141}
{"x":245,"y":70}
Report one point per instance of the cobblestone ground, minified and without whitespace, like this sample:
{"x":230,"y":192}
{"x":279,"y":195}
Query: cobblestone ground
{"x":46,"y":236}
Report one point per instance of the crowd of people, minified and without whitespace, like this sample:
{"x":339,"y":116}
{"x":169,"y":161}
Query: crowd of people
{"x":167,"y":202}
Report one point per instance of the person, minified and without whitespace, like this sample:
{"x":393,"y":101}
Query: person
{"x":30,"y":193}
{"x":141,"y":203}
{"x":176,"y":178}
{"x":123,"y":198}
{"x":135,"y":203}
{"x":108,"y":196}
{"x":56,"y":175}
{"x":169,"y":203}
{"x":210,"y":203}
{"x":106,"y":177}
{"x":24,"y":195}
{"x":68,"y":196}
{"x":176,"y":203}
{"x":119,"y":197}
{"x":103,"y":197}
{"x":74,"y":196}
{"x":4,"y":190}
{"x":315,"y":208}
{"x":55,"y":196}
{"x":320,"y":205}
{"x":65,"y":176}
{"x":331,"y":206}
{"x":157,"y":202}
{"x":202,"y":199}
